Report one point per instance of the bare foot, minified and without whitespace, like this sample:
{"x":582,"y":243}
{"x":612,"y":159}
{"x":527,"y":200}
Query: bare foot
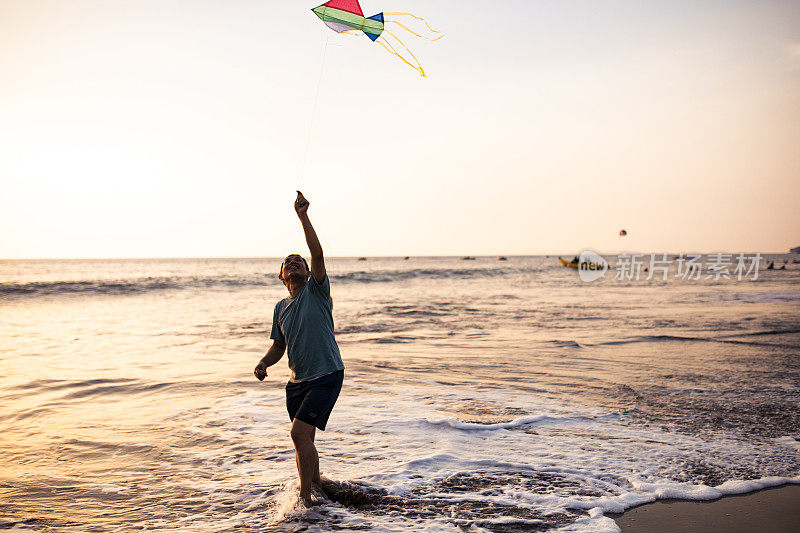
{"x":326,"y":485}
{"x":306,"y":500}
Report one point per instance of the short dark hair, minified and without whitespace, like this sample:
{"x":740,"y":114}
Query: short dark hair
{"x":280,"y":272}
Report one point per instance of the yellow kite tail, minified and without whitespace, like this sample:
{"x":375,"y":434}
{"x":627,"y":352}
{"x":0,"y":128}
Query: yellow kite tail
{"x":415,"y":17}
{"x":409,"y":30}
{"x":389,"y":48}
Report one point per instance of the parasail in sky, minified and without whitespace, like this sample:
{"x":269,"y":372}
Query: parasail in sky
{"x":622,"y":233}
{"x":345,"y":16}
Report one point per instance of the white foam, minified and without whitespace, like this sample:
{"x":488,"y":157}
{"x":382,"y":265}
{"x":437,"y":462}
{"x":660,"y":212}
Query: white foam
{"x":669,"y":489}
{"x":399,"y":441}
{"x":496,"y":521}
{"x":470,"y":426}
{"x":738,"y":486}
{"x":591,"y":524}
{"x":789,"y":441}
{"x":286,"y":505}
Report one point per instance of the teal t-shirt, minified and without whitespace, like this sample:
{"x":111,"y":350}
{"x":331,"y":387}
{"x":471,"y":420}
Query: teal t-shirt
{"x":305,"y":324}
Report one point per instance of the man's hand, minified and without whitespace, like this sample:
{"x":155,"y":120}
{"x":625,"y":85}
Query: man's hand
{"x":301,"y":204}
{"x":274,"y":355}
{"x":261,"y":371}
{"x":317,"y":259}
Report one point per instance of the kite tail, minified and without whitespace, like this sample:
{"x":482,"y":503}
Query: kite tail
{"x":391,"y":49}
{"x":409,"y":30}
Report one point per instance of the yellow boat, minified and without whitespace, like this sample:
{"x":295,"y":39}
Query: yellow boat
{"x":567,"y":263}
{"x":587,"y":266}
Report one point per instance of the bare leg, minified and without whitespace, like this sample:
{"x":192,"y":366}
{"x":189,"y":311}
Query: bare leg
{"x":297,"y":456}
{"x":316,"y":479}
{"x":306,"y":456}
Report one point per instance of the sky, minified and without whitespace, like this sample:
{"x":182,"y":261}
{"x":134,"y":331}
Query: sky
{"x":167,"y":128}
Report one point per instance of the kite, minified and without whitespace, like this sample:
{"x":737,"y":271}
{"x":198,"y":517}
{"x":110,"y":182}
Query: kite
{"x":622,"y":233}
{"x":343,"y":16}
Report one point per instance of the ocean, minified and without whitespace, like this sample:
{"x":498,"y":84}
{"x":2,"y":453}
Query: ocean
{"x":479,"y":395}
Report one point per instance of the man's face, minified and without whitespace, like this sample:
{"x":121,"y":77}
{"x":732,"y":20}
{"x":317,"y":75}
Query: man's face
{"x":294,"y":266}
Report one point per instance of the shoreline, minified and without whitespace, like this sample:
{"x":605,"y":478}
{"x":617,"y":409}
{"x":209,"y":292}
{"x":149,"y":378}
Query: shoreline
{"x":767,"y":510}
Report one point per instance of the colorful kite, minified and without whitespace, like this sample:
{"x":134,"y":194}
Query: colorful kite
{"x":622,"y":233}
{"x":344,"y":16}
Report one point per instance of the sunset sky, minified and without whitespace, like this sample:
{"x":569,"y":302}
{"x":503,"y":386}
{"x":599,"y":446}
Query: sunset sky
{"x":146,"y":128}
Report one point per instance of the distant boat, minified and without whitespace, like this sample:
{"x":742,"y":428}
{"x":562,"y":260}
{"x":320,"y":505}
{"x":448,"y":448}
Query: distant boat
{"x":405,"y":258}
{"x":592,"y":266}
{"x":567,"y":264}
{"x":467,"y":258}
{"x":362,"y":258}
{"x":502,"y":258}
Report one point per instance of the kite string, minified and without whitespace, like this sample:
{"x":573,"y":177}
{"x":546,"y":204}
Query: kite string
{"x":314,"y":111}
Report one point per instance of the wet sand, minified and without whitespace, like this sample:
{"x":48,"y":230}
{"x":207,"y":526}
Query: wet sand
{"x":773,"y":510}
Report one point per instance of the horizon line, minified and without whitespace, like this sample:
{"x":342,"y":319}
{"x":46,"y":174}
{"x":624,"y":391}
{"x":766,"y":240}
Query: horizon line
{"x":141,"y":258}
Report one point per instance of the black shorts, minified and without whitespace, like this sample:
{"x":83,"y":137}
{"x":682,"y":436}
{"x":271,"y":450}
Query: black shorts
{"x":312,"y":401}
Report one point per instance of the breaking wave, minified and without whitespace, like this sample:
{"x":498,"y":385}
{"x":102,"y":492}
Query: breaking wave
{"x":148,"y":284}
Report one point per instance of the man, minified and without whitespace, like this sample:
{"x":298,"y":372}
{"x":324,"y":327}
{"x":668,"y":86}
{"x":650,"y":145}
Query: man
{"x":303,"y":323}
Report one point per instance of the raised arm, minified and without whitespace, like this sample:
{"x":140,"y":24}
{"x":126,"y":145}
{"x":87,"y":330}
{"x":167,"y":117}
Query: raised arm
{"x":317,"y":259}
